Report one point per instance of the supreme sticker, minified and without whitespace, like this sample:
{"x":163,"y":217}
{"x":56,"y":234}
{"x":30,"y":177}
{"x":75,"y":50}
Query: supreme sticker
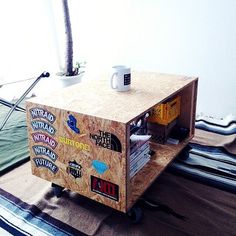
{"x":105,"y":188}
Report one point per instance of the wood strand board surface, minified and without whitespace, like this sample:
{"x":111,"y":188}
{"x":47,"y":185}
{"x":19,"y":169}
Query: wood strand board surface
{"x":96,"y":98}
{"x":188,"y":106}
{"x":94,"y":101}
{"x":194,"y":107}
{"x":71,"y":151}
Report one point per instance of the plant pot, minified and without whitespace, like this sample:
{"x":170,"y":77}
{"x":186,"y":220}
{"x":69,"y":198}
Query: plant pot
{"x":51,"y":84}
{"x":65,"y":81}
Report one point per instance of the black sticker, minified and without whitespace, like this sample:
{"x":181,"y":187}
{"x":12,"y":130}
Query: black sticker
{"x":105,"y":188}
{"x":42,"y":162}
{"x":43,"y":126}
{"x":74,"y":169}
{"x":127,"y":79}
{"x":107,"y":140}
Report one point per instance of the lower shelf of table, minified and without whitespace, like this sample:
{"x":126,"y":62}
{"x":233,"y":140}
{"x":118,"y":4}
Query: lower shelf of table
{"x":164,"y":154}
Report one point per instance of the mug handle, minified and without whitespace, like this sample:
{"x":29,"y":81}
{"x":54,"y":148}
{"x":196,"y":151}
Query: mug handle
{"x":112,"y":78}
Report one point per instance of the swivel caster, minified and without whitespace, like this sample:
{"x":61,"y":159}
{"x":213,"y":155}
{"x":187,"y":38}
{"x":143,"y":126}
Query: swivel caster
{"x":135,"y":214}
{"x":57,"y":190}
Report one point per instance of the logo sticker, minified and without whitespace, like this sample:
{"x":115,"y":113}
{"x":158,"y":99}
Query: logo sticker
{"x":107,"y":140}
{"x":73,"y":143}
{"x":45,"y":151}
{"x":74,"y":169}
{"x":105,"y":188}
{"x":72,"y":123}
{"x":99,"y":166}
{"x":42,"y":162}
{"x":44,"y":126}
{"x":41,"y":113}
{"x":127,"y":79}
{"x":40,"y":137}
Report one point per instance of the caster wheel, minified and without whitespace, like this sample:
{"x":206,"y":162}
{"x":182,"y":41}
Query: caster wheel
{"x":135,"y":214}
{"x":184,"y":154}
{"x":57,"y":190}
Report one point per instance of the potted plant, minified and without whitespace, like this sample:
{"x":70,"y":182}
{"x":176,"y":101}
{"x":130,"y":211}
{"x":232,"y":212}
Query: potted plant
{"x":71,"y":74}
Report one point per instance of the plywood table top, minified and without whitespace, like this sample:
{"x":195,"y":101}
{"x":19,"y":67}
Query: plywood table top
{"x":96,"y":98}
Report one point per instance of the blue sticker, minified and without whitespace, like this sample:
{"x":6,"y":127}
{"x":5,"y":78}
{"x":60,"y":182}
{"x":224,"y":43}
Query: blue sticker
{"x":44,"y":126}
{"x":99,"y":166}
{"x":45,"y":151}
{"x":72,"y":122}
{"x":37,"y":112}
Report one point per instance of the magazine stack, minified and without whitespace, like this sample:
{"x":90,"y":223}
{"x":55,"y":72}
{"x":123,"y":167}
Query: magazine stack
{"x":139,"y":153}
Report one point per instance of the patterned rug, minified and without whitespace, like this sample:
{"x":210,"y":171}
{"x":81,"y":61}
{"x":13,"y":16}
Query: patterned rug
{"x":20,"y":218}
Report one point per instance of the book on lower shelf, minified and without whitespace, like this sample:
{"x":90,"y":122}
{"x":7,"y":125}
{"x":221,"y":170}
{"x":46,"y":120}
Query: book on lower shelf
{"x":139,"y":158}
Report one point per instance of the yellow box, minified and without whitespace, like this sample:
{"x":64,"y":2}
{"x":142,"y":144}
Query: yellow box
{"x":166,"y":112}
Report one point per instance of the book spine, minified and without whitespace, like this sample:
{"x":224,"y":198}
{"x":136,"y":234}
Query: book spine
{"x":135,"y":171}
{"x":139,"y":156}
{"x":136,"y":145}
{"x":139,"y":150}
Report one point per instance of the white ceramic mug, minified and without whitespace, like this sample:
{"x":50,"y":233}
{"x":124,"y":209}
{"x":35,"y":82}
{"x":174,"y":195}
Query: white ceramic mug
{"x":121,"y":78}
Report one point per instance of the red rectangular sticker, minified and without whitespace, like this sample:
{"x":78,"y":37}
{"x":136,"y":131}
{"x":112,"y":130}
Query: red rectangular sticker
{"x":105,"y":188}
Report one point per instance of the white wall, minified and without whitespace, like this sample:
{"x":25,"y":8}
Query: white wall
{"x":189,"y":37}
{"x":26,"y":44}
